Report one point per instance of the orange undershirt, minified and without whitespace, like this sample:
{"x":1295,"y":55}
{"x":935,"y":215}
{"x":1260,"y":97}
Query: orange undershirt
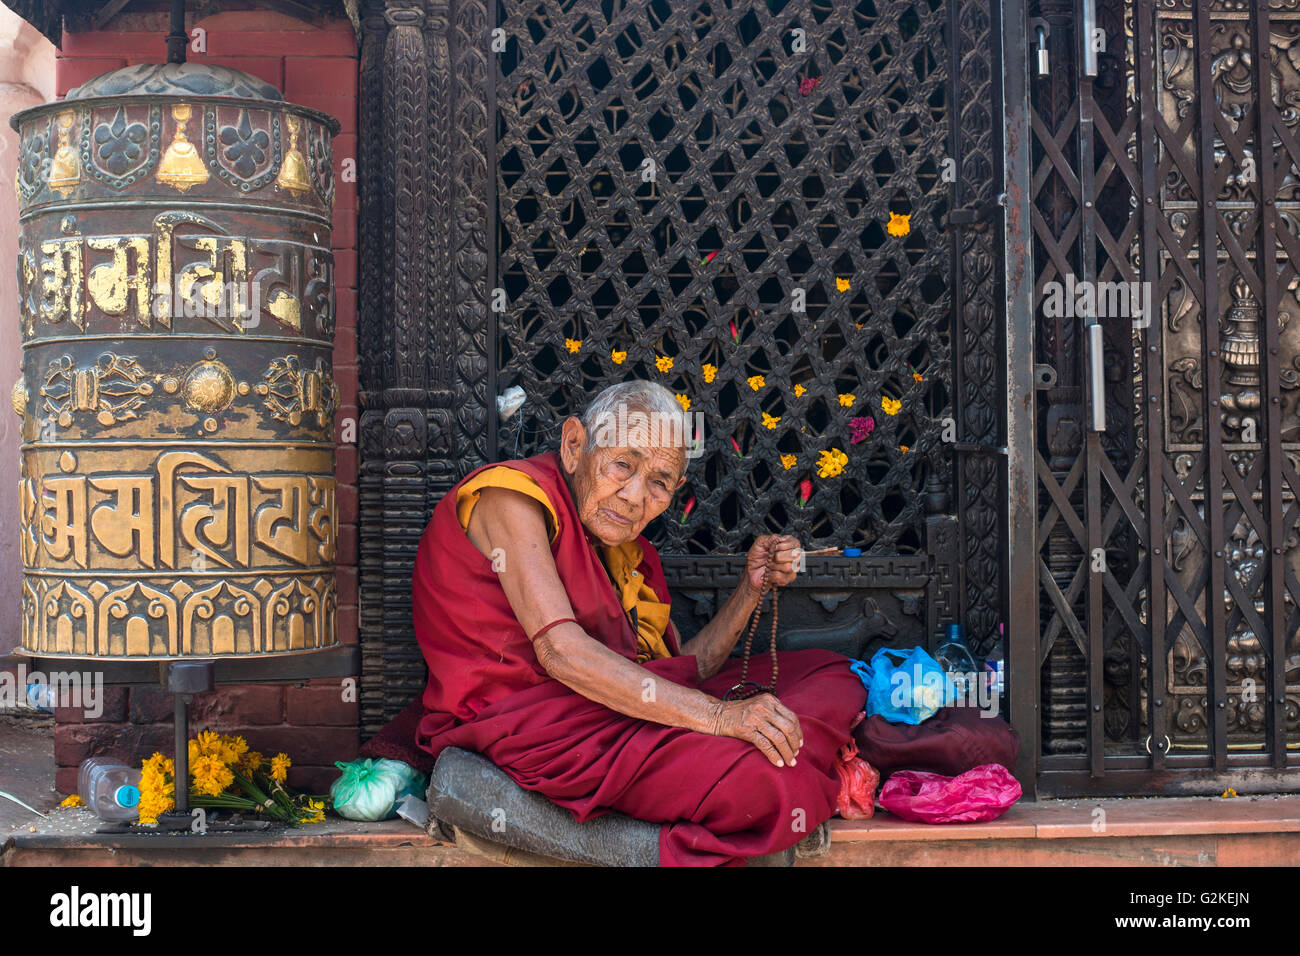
{"x":621,"y":561}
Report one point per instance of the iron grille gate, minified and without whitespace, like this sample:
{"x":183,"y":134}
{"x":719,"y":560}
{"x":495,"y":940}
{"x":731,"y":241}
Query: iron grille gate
{"x":520,"y":168}
{"x":1167,"y":545}
{"x":700,"y":195}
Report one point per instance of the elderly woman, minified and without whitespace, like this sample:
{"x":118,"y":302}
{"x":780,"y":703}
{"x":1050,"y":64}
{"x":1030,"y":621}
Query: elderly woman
{"x":543,"y":614}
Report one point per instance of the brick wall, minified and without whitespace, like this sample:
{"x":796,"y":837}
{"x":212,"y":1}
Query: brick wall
{"x":315,"y":67}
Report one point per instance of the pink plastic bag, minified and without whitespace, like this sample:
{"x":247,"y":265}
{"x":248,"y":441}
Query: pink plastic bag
{"x":983,"y":793}
{"x":858,"y":782}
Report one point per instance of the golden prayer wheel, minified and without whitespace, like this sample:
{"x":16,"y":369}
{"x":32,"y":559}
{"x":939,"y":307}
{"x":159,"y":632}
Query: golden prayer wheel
{"x":176,"y":300}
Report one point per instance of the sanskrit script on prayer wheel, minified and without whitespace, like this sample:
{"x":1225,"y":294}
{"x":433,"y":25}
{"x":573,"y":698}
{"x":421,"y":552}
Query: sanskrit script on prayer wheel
{"x":176,"y":300}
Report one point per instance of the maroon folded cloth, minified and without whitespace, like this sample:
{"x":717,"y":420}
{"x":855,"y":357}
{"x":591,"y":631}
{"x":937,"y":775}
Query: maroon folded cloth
{"x":954,"y":740}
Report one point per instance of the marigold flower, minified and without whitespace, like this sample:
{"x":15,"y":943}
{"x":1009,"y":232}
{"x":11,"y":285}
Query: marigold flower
{"x":830,"y":463}
{"x":664,"y":363}
{"x":211,"y":776}
{"x":847,"y":399}
{"x":899,"y":225}
{"x":709,"y":370}
{"x":917,"y":376}
{"x":890,"y":405}
{"x":842,"y":284}
{"x":769,"y":421}
{"x":617,"y":357}
{"x":903,"y":449}
{"x":232,"y":749}
{"x":789,"y":461}
{"x":573,"y":345}
{"x":280,"y":765}
{"x":72,"y":801}
{"x":685,"y":402}
{"x":153,"y":803}
{"x":756,"y":382}
{"x":159,"y":764}
{"x":799,"y":390}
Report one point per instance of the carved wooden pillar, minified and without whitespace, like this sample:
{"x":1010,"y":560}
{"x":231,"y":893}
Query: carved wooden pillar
{"x":422,"y":323}
{"x":979,"y":341}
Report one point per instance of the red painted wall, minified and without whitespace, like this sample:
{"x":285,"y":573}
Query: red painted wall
{"x":315,"y":66}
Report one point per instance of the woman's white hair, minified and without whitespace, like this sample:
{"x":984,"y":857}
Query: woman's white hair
{"x":618,"y":402}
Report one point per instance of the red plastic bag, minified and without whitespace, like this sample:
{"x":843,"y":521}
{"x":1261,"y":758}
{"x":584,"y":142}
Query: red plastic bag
{"x":984,"y":793}
{"x":858,"y":782}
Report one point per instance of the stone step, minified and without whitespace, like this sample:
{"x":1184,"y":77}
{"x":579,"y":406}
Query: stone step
{"x":1192,"y":831}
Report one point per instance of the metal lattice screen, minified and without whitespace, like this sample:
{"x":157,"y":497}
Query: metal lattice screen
{"x":669,"y":176}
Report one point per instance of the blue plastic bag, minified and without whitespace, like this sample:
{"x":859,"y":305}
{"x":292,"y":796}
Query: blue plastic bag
{"x":908,"y":692}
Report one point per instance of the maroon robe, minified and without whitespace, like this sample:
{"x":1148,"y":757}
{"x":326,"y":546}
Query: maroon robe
{"x":720,"y":798}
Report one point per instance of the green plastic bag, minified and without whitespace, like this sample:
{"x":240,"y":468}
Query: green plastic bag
{"x":370,"y":790}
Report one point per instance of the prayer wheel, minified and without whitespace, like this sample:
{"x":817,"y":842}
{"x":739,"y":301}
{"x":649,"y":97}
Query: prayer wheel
{"x":176,"y":300}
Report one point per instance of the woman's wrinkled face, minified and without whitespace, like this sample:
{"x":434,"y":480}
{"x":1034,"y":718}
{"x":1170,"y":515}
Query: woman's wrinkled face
{"x":619,"y":490}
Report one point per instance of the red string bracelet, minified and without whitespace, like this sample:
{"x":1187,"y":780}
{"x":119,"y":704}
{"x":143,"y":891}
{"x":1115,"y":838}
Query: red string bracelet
{"x":563,"y":620}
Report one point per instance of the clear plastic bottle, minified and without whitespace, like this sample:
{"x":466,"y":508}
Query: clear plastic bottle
{"x":955,"y":657}
{"x":109,"y":787}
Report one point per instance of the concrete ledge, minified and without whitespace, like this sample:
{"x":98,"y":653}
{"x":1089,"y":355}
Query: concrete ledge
{"x":1059,"y":819}
{"x":1246,"y":831}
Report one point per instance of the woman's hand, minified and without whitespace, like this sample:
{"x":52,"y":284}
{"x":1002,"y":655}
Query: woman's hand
{"x":765,"y":722}
{"x":780,"y":553}
{"x":716,"y":639}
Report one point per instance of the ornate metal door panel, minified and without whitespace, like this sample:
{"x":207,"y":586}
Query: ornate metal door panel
{"x":1167,"y":541}
{"x":747,"y":204}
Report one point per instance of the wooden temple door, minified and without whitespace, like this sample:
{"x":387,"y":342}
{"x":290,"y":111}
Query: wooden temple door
{"x":1165,"y":196}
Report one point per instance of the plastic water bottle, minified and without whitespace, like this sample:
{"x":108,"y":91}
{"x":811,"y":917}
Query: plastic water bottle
{"x":110,"y":788}
{"x":954,"y":656}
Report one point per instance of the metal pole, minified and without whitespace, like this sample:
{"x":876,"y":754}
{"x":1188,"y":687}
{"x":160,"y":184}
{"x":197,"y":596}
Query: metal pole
{"x":177,"y":38}
{"x":181,"y":719}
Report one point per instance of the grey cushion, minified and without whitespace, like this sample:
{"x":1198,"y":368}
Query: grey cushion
{"x":468,"y":791}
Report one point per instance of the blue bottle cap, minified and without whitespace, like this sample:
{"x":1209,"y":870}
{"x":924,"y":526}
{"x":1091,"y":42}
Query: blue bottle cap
{"x":852,"y":552}
{"x":127,"y":796}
